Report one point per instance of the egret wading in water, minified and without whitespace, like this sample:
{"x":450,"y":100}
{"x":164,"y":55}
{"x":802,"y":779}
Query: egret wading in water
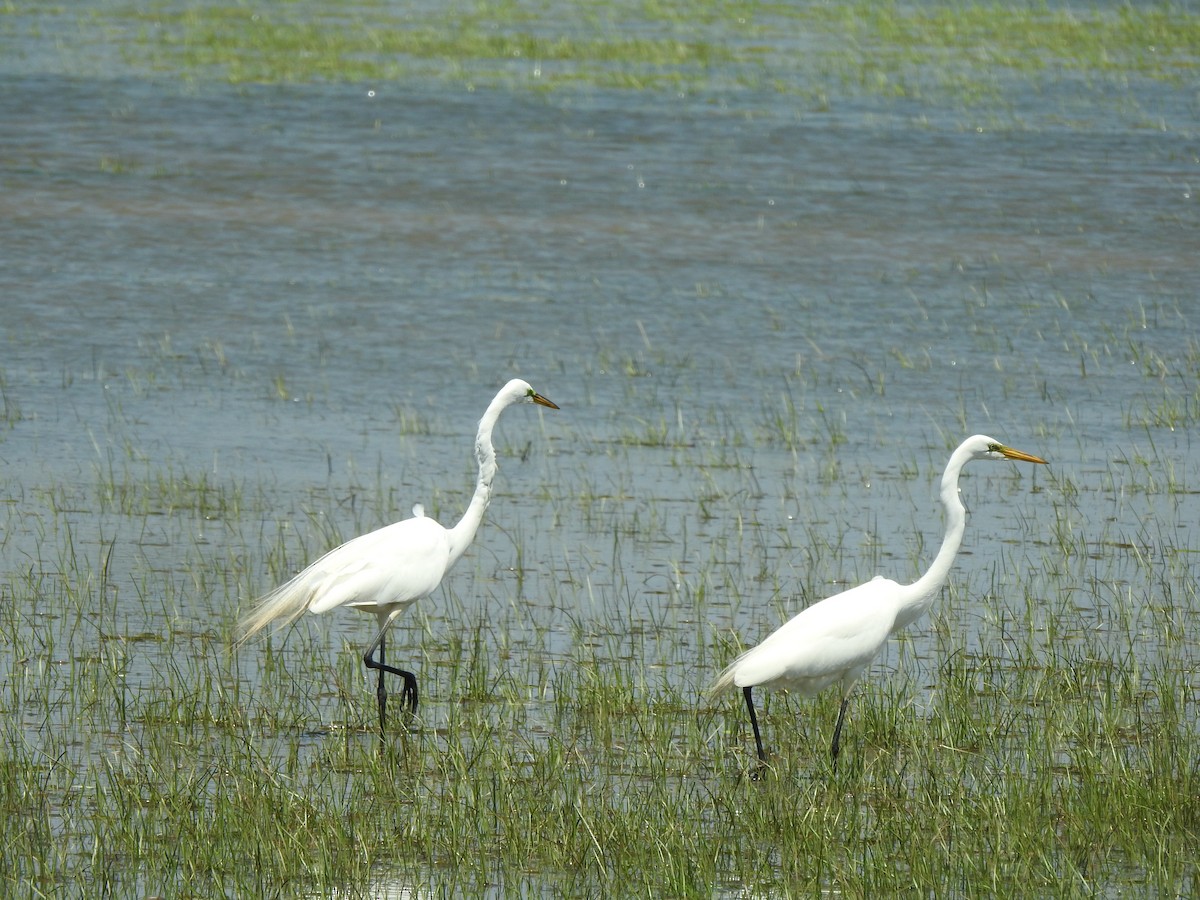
{"x":835,"y":639}
{"x":387,"y":570}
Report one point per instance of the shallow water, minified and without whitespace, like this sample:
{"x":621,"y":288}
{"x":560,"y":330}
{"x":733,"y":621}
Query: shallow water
{"x":766,"y":327}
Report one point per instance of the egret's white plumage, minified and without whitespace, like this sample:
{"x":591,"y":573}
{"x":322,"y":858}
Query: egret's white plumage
{"x":835,"y":640}
{"x":387,"y":570}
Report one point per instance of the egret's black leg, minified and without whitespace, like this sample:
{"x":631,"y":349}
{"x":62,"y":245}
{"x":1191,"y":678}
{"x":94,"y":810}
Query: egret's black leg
{"x":837,"y":732}
{"x":408,"y":694}
{"x":762,"y":757}
{"x":381,"y":689}
{"x":381,"y":699}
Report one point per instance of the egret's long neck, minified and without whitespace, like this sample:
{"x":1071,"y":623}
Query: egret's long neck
{"x":919,"y":595}
{"x":463,"y":533}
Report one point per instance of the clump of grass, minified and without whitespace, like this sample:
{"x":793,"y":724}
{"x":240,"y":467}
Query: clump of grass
{"x":287,"y":44}
{"x":893,"y":49}
{"x":573,"y":749}
{"x":1156,"y":40}
{"x":627,"y":779}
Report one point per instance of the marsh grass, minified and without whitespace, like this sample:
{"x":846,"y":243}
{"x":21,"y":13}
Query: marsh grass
{"x":1036,"y":735}
{"x":246,"y":45}
{"x":958,"y":50}
{"x":580,"y":755}
{"x":1159,"y":40}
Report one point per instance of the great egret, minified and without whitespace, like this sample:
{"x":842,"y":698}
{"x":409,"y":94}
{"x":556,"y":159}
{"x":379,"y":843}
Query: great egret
{"x":835,"y":639}
{"x":387,"y":570}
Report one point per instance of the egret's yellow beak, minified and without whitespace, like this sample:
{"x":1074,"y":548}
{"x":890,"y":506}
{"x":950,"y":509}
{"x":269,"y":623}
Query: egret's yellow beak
{"x":537,"y":398}
{"x":1010,"y":453}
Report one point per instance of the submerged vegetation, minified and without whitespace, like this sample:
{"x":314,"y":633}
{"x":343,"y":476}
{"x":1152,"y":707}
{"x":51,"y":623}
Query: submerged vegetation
{"x":953,"y":48}
{"x":565,"y":743}
{"x":145,"y":762}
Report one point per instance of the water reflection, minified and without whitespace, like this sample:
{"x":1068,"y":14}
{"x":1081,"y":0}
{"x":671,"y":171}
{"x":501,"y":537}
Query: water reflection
{"x":384,"y":888}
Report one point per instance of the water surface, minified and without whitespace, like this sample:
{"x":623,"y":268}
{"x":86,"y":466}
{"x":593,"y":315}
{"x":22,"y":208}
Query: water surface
{"x":767,"y":325}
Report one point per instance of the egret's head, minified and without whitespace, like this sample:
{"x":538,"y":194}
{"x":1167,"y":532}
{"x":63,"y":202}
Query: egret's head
{"x":984,"y":447}
{"x":518,"y":391}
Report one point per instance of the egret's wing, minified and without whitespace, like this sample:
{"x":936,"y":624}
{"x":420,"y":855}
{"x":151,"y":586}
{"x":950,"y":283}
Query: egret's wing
{"x":397,"y":564}
{"x":824,"y":641}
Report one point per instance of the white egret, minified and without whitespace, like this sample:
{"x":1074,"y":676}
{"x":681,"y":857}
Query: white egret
{"x":387,"y":570}
{"x":835,"y":639}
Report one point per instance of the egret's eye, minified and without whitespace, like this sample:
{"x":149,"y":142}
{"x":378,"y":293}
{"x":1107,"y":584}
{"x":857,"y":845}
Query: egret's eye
{"x":993,"y":448}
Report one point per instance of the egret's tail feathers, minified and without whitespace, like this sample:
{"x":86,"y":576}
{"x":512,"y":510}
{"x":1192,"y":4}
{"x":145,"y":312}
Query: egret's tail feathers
{"x":724,"y":680}
{"x":284,"y":605}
